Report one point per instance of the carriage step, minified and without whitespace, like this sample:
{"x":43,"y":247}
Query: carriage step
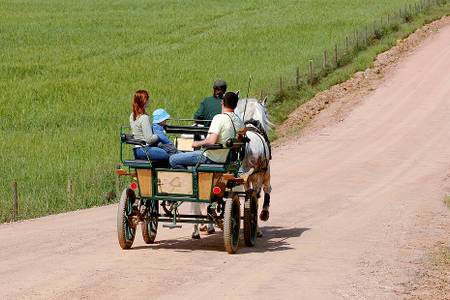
{"x":171,"y":226}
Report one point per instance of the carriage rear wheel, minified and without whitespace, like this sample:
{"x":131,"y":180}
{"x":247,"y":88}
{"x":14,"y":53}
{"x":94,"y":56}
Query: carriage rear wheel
{"x":232,"y":224}
{"x":126,"y":228}
{"x":150,"y":224}
{"x":250,"y":218}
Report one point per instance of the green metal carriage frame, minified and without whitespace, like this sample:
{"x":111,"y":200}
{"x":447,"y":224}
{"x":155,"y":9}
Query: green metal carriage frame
{"x":219,"y":186}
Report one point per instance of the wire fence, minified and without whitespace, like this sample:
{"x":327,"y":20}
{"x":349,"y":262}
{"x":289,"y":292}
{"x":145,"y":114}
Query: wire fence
{"x":344,"y":50}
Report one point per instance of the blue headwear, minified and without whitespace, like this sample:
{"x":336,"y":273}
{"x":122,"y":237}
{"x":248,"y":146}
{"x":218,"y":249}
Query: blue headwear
{"x":160,"y":115}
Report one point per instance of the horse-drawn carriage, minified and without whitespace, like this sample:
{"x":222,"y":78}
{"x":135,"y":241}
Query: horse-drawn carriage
{"x":156,"y":191}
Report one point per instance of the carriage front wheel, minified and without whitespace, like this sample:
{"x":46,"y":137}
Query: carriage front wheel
{"x":250,"y":218}
{"x":150,"y":224}
{"x":126,"y":228}
{"x":232,"y":224}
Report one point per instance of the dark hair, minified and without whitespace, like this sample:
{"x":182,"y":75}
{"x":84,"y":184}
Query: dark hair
{"x":230,"y":100}
{"x":140,"y":98}
{"x":220,"y":85}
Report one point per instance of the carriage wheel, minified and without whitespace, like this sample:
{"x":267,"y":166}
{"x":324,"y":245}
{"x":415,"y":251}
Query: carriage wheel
{"x":250,"y":218}
{"x":232,"y":224}
{"x":150,"y":224}
{"x":126,"y":228}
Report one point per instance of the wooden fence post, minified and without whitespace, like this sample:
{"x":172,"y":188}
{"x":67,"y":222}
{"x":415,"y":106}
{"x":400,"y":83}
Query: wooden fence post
{"x":69,"y":186}
{"x":117,"y":184}
{"x":15,"y":208}
{"x":336,"y":55}
{"x":281,"y":85}
{"x":367,"y":36}
{"x":347,"y":46}
{"x":325,"y":59}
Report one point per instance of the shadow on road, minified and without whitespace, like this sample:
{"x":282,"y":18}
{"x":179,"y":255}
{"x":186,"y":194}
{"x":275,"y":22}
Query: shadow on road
{"x":275,"y":238}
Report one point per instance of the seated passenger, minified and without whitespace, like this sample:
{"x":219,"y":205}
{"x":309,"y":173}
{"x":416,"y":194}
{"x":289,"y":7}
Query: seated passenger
{"x":223,"y":127}
{"x":160,"y":117}
{"x":211,"y":106}
{"x":142,"y":129}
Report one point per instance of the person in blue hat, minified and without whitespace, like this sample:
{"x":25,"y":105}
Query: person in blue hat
{"x":160,"y":117}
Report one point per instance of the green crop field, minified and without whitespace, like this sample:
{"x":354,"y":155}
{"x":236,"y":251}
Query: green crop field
{"x":68,"y":70}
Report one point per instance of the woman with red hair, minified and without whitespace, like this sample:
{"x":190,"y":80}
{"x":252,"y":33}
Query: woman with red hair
{"x":142,"y":129}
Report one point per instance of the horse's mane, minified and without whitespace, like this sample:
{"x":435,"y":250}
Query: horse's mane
{"x":255,"y":110}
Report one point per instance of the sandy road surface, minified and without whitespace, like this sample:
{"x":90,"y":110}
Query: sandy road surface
{"x":355,"y":207}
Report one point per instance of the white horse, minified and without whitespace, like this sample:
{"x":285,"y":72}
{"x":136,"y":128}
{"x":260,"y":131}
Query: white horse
{"x":257,"y":152}
{"x":257,"y":156}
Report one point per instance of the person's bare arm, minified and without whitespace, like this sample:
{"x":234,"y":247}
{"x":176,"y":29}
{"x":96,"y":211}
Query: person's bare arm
{"x":210,"y":139}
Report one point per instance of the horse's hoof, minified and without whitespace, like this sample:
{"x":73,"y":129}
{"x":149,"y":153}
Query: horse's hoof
{"x":264,"y":215}
{"x":196,"y":236}
{"x":211,"y":229}
{"x":220,"y":224}
{"x":259,"y":233}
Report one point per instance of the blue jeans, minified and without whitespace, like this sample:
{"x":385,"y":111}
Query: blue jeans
{"x":154,"y":153}
{"x":183,"y":159}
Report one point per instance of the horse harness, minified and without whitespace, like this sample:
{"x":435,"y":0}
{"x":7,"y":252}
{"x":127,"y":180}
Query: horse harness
{"x":262,"y":135}
{"x":257,"y":128}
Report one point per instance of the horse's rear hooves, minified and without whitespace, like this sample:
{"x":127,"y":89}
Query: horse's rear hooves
{"x":264,"y":215}
{"x":196,"y":236}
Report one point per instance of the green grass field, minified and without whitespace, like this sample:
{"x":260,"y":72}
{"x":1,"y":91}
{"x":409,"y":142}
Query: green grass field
{"x":68,"y":70}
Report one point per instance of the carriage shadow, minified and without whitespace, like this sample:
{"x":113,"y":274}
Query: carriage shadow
{"x":275,"y":239}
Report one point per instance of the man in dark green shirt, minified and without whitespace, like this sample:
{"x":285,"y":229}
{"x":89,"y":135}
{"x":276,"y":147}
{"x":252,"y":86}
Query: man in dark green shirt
{"x":212,"y":105}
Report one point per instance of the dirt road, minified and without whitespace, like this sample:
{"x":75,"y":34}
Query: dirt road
{"x":355,"y":208}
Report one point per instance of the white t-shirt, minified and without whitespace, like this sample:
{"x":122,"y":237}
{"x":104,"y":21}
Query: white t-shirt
{"x":222,"y":125}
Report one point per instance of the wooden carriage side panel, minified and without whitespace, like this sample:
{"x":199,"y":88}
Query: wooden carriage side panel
{"x":145,"y":182}
{"x":205,"y":181}
{"x":175,"y":182}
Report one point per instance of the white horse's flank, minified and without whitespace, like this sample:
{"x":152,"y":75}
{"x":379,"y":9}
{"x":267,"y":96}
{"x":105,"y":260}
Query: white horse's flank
{"x":257,"y":156}
{"x":257,"y":152}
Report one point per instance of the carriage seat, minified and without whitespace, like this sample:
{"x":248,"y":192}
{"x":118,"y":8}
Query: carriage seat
{"x":212,"y":168}
{"x":144,"y":164}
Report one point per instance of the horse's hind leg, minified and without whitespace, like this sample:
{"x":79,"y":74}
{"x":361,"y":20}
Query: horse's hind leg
{"x":195,"y":209}
{"x":264,"y":215}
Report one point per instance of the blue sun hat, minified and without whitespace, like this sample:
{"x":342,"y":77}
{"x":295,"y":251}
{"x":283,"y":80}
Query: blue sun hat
{"x":160,"y":115}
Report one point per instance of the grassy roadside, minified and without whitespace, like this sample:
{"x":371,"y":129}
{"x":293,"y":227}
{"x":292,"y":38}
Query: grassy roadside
{"x":443,"y":256}
{"x":436,"y":281}
{"x":447,"y":201}
{"x":292,"y":97}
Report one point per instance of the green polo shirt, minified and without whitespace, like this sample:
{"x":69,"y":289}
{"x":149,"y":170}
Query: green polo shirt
{"x":209,"y":107}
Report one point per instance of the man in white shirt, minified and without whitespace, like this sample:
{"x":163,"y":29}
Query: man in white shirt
{"x":223,"y":127}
